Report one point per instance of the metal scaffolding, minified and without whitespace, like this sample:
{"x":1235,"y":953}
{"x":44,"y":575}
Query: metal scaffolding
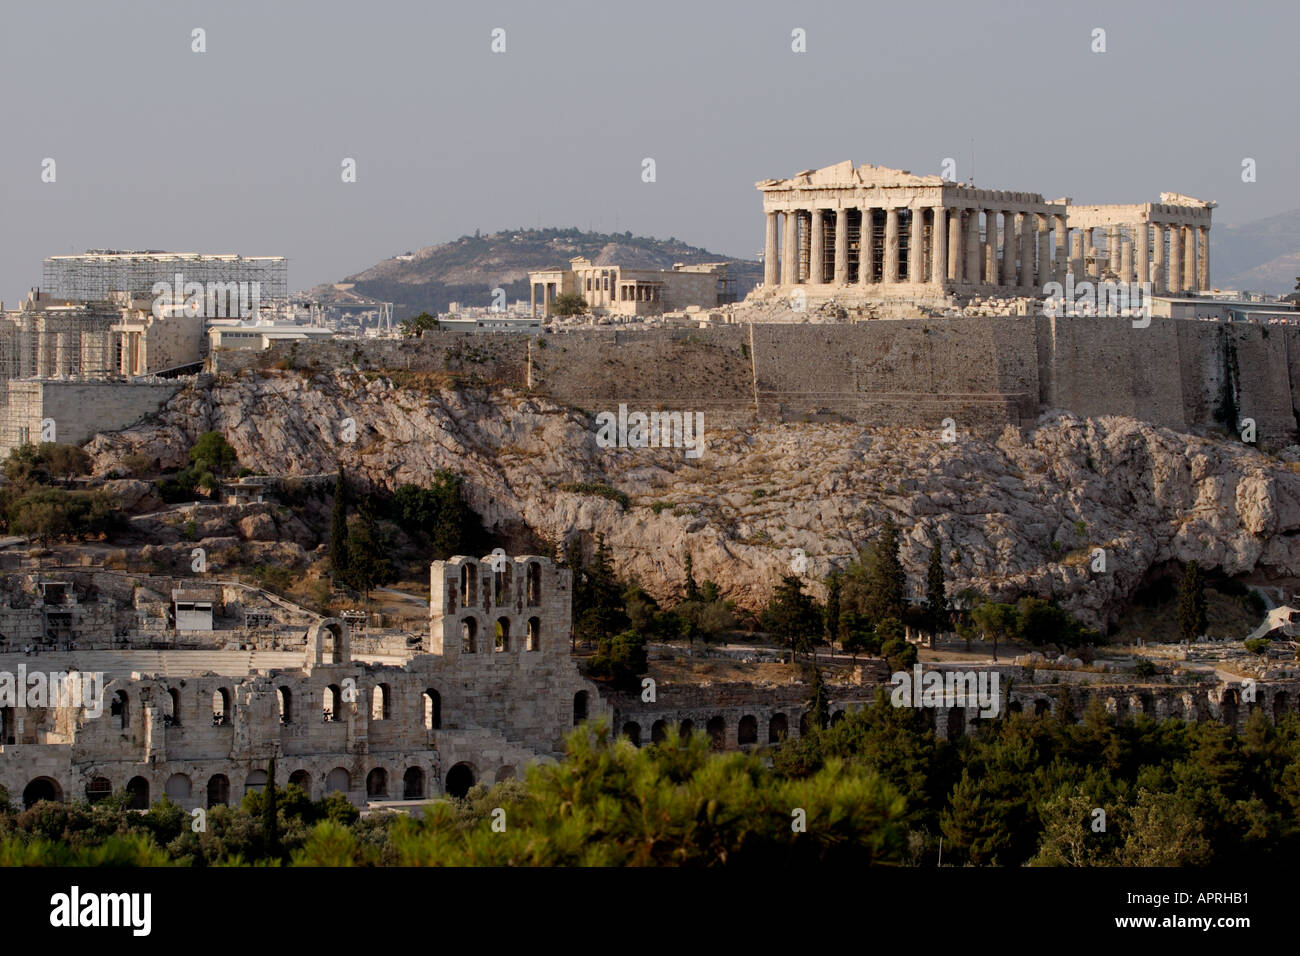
{"x":99,"y":272}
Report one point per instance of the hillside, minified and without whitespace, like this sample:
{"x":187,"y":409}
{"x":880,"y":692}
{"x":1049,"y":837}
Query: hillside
{"x":467,"y":269}
{"x":1261,"y":256}
{"x":1018,"y":512}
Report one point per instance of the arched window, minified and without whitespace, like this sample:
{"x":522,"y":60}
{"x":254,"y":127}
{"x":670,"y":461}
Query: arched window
{"x":716,"y":728}
{"x":503,"y":634}
{"x":534,"y":584}
{"x":138,"y":790}
{"x":43,"y":788}
{"x":469,"y":636}
{"x":377,"y":783}
{"x":332,"y":709}
{"x":413,"y":784}
{"x":173,"y":717}
{"x":777,"y":728}
{"x":501,"y":584}
{"x":658,"y":731}
{"x":459,"y":779}
{"x":579,"y":707}
{"x":178,"y":787}
{"x":221,"y":709}
{"x":338,"y":780}
{"x":120,"y":708}
{"x":379,"y":702}
{"x":747,"y":733}
{"x":218,"y":790}
{"x":632,"y":731}
{"x":468,"y":584}
{"x":432,"y":710}
{"x":302,"y":780}
{"x":98,"y":789}
{"x":534,"y":634}
{"x":255,"y":782}
{"x":284,"y":698}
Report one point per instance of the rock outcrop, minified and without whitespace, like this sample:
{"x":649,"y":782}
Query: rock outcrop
{"x":1024,"y":511}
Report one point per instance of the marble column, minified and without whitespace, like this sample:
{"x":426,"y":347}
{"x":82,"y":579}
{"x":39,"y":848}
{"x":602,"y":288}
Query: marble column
{"x":841,"y":246}
{"x":1142,"y":247}
{"x":817,"y":250}
{"x":866,"y":244}
{"x":1092,"y":255}
{"x":1125,"y":260}
{"x":955,"y":253}
{"x":1009,"y":248}
{"x":1113,"y":248}
{"x":972,"y":269}
{"x":770,"y":263}
{"x":1158,"y":272}
{"x":546,"y":298}
{"x":891,"y":245}
{"x":1175,"y":280}
{"x":1077,"y":239}
{"x":1042,"y":252}
{"x":1189,"y":258}
{"x":990,"y":247}
{"x":939,"y":247}
{"x":1203,"y":258}
{"x":916,"y":247}
{"x":532,"y":299}
{"x":1028,"y":237}
{"x":1062,"y":240}
{"x":789,"y":248}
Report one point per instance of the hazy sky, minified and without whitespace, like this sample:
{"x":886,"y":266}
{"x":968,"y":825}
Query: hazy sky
{"x":238,"y":149}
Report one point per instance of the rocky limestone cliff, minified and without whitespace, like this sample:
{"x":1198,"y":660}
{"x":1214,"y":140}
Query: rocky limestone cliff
{"x":1021,"y":512}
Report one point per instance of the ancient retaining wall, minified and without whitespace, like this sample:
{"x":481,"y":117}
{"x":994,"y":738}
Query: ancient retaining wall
{"x":982,"y":372}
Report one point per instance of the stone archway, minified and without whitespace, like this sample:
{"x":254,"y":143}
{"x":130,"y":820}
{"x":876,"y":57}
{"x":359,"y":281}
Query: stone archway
{"x":459,"y":779}
{"x":42,"y":788}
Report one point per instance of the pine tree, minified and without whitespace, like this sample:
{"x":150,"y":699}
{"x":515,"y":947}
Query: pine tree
{"x":692,"y":589}
{"x":819,"y":707}
{"x":886,"y":580}
{"x":833,"y":586}
{"x":936,"y":596}
{"x":270,"y":823}
{"x":339,"y":531}
{"x":1191,"y":603}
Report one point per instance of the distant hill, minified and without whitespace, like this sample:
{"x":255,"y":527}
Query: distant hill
{"x":468,"y":269}
{"x":1261,"y":256}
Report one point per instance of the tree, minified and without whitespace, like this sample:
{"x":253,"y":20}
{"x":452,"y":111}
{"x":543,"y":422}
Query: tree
{"x":438,"y":512}
{"x":39,"y":464}
{"x":819,"y":708}
{"x":936,"y":594}
{"x":621,"y":659}
{"x":598,"y":597}
{"x":339,"y":531}
{"x":692,"y":591}
{"x":833,"y":588}
{"x":875,"y":584}
{"x":270,"y":824}
{"x":791,"y":616}
{"x":416,"y":327}
{"x":368,"y":564}
{"x":894,"y":646}
{"x":569,"y":303}
{"x":1191,"y":603}
{"x":994,"y":621}
{"x":213,"y":454}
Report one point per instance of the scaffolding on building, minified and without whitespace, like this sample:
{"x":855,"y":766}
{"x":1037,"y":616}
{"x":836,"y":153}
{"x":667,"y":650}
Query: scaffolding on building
{"x":95,"y":275}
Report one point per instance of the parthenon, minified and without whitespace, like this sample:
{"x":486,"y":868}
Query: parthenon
{"x":886,"y":233}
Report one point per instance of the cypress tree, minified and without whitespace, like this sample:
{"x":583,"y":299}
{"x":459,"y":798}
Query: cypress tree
{"x":339,"y":531}
{"x":1191,"y":603}
{"x":270,"y":823}
{"x":936,"y":597}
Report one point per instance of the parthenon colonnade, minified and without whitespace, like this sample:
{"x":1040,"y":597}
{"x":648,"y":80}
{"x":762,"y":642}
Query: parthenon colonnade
{"x":852,"y":228}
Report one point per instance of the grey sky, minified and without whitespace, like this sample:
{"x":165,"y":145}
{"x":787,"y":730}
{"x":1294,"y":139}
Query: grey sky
{"x":239,"y":149}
